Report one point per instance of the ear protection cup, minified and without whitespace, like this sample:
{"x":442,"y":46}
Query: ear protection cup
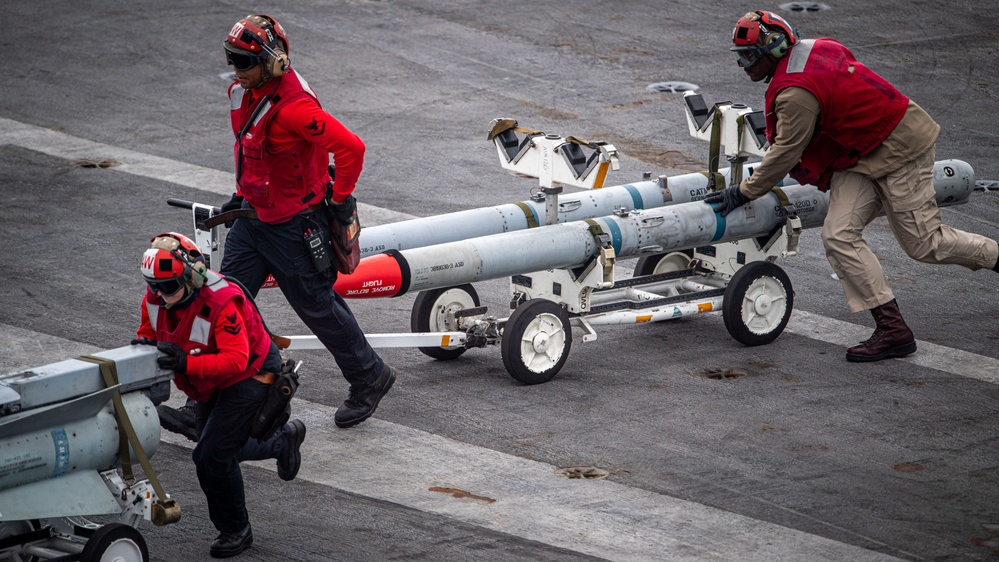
{"x":198,"y":273}
{"x":277,"y":62}
{"x":776,"y":44}
{"x":181,"y":248}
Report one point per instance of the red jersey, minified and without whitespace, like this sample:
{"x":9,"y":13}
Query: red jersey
{"x":283,"y":142}
{"x":225,"y":342}
{"x":858,"y":108}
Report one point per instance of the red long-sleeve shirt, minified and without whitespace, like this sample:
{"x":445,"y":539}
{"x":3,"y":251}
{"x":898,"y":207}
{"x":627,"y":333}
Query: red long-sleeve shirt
{"x":303,"y":120}
{"x":227,"y":334}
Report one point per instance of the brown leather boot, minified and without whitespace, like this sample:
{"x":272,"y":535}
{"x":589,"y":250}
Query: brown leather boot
{"x":891,"y":338}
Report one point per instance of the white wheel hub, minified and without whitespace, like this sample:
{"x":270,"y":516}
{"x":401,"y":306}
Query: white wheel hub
{"x":543,"y":343}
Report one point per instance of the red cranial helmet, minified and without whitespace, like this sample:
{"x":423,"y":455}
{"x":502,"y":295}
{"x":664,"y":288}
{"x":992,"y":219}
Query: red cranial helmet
{"x":172,"y":262}
{"x":257,"y":39}
{"x":762,"y":33}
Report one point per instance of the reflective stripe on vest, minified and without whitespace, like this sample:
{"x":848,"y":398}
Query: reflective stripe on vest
{"x":281,"y":184}
{"x":857,"y":108}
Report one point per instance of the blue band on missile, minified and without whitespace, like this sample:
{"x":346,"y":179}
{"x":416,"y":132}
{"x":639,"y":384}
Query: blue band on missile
{"x":636,"y":197}
{"x":530,"y":215}
{"x":60,"y":463}
{"x":615,"y":234}
{"x":719,"y":226}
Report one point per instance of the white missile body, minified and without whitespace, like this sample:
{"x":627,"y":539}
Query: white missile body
{"x":633,"y":234}
{"x":510,"y":217}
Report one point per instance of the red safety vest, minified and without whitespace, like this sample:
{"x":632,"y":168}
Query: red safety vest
{"x":279,"y":185}
{"x":858,"y":108}
{"x":195,"y":331}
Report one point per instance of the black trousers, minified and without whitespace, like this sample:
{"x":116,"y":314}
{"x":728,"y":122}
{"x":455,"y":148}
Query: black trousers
{"x":254,"y":249}
{"x":223,"y":424}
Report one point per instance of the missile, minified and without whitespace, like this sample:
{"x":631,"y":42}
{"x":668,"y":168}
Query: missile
{"x":632,"y":234}
{"x":473,"y":223}
{"x":59,"y":434}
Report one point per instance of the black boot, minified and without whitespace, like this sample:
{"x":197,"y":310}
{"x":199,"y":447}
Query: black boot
{"x":231,"y":544}
{"x":180,"y":421}
{"x":362,"y":401}
{"x":290,"y":461}
{"x":891,"y":338}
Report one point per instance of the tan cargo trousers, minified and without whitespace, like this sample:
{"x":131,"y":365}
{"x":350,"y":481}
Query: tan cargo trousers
{"x":908,"y":198}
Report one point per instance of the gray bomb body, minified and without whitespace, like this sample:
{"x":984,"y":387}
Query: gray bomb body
{"x":89,"y":443}
{"x":58,"y":432}
{"x":646,"y":232}
{"x":510,"y":217}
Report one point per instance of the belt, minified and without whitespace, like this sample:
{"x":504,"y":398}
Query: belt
{"x":250,"y":214}
{"x":266,"y":378}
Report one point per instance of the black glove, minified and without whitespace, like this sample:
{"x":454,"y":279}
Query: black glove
{"x":234,"y":203}
{"x":174,"y":359}
{"x":143,"y":341}
{"x":727,"y":200}
{"x":343,"y":211}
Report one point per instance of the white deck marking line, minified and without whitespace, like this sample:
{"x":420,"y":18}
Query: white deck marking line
{"x":929,"y":355}
{"x":399,"y":464}
{"x":600,"y":518}
{"x":62,"y":145}
{"x":140,"y":164}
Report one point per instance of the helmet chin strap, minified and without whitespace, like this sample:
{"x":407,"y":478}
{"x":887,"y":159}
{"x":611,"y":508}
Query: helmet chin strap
{"x":265,"y":77}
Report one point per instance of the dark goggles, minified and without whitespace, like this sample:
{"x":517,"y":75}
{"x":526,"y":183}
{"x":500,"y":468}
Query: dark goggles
{"x":167,"y":287}
{"x":240,"y":61}
{"x":748,"y":56}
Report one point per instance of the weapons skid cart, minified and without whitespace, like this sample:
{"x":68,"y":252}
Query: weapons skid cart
{"x":738,"y":278}
{"x":62,"y":428}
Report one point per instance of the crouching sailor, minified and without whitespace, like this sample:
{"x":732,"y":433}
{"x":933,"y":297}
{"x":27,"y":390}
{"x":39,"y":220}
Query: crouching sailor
{"x":213,"y":338}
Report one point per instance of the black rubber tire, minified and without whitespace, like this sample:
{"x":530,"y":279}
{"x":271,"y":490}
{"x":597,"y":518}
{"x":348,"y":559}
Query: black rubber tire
{"x":115,"y":541}
{"x":537,"y":322}
{"x":646,"y":265}
{"x":758,"y":303}
{"x":425,"y":309}
{"x":10,"y":529}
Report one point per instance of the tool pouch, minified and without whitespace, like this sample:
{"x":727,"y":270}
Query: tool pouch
{"x":345,"y":238}
{"x":345,"y":231}
{"x":275,"y":410}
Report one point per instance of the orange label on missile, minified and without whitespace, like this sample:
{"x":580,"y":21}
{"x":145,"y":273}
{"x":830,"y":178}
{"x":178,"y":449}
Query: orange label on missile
{"x":377,"y":276}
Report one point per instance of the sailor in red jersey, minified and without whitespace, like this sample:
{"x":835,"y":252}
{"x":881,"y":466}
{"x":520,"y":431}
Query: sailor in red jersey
{"x":833,"y":123}
{"x":282,"y":153}
{"x":221,"y":355}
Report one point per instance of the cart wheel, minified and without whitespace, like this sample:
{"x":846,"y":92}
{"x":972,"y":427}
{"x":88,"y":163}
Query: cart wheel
{"x":536,"y":341}
{"x":758,"y":302}
{"x":663,"y":263}
{"x":431,"y":313}
{"x":115,"y":542}
{"x":10,"y":529}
